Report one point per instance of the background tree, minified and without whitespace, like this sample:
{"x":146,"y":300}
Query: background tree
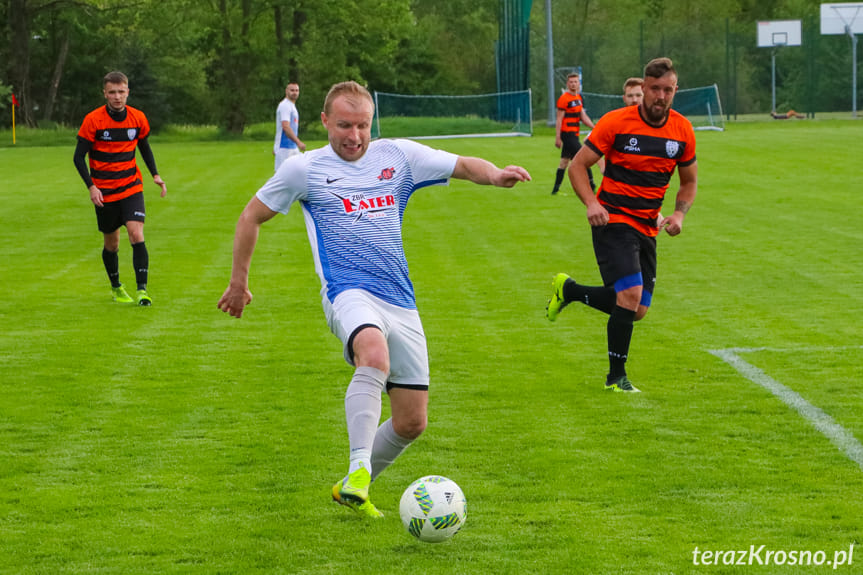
{"x":226,"y":62}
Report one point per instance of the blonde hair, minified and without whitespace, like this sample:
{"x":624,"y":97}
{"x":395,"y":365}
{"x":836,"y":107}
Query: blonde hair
{"x":349,"y":89}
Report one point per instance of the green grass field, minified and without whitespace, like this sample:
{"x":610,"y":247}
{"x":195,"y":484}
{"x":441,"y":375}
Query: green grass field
{"x":176,"y":439}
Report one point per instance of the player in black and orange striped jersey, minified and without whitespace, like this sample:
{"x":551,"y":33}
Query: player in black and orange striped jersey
{"x":570,"y":115}
{"x":643,"y":145}
{"x":110,"y":135}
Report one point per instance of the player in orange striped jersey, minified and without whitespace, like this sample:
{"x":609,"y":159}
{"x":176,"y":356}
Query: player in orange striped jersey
{"x":570,"y":115}
{"x":110,"y":135}
{"x":643,"y":145}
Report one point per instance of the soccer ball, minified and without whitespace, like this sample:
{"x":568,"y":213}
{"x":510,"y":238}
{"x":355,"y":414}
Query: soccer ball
{"x":433,"y":508}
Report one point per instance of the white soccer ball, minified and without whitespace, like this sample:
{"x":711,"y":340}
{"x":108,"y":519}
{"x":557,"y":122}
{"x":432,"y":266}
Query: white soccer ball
{"x":433,"y":508}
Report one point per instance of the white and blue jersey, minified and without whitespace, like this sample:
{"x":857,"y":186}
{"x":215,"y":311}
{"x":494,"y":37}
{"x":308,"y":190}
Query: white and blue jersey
{"x":286,"y":112}
{"x":353,"y":212}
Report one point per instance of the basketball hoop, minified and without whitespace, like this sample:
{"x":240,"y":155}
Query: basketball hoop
{"x":776,"y":34}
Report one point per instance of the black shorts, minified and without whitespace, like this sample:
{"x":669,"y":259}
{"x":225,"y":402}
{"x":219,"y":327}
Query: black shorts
{"x":623,"y":253}
{"x":570,"y":145}
{"x":112,"y":215}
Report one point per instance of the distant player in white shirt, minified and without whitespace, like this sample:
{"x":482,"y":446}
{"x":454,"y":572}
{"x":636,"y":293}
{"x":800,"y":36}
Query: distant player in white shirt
{"x":287,"y":142}
{"x":353,"y":193}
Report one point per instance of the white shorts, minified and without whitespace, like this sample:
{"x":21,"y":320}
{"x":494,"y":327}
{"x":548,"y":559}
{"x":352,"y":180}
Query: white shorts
{"x":285,"y":153}
{"x":402,"y":328}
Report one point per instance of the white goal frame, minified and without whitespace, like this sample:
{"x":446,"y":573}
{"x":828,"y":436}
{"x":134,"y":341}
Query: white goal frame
{"x":707,"y":118}
{"x":519,"y":122}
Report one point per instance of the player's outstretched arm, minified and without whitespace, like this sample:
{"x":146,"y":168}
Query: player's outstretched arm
{"x":483,"y":172}
{"x":237,"y":295}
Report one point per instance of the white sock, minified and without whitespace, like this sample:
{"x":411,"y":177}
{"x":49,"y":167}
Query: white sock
{"x":387,"y":446}
{"x":360,"y":458}
{"x":362,"y":412}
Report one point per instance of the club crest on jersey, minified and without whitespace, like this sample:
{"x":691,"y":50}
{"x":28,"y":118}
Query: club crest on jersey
{"x":672,"y":147}
{"x":387,"y":174}
{"x":131,"y":132}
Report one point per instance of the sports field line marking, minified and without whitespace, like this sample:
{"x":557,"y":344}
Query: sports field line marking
{"x":838,"y":435}
{"x":788,"y":349}
{"x":82,"y":260}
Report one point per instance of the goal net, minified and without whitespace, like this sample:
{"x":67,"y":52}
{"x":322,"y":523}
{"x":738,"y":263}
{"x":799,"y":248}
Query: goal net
{"x":701,"y":106}
{"x":481,"y":115}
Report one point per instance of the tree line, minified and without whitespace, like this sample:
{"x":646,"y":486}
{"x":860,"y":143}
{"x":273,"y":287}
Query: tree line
{"x":226,"y":62}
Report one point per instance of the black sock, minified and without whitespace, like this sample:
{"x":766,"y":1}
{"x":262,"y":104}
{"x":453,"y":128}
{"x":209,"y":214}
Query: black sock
{"x":558,"y":179}
{"x":141,"y":261}
{"x":620,"y":324}
{"x":598,"y":297}
{"x":112,"y":266}
{"x":590,"y":179}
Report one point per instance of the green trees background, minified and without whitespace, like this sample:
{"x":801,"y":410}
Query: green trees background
{"x":225,"y":62}
{"x":710,"y":42}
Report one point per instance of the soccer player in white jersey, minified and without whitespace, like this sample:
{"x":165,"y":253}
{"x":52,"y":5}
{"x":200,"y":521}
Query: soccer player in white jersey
{"x":353,"y":193}
{"x":287,"y":142}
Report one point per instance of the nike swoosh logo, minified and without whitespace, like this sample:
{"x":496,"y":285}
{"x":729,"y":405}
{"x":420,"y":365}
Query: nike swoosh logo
{"x":331,"y":180}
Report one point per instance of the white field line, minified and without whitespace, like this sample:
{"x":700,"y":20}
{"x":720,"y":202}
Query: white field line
{"x":838,"y":435}
{"x":801,"y":349}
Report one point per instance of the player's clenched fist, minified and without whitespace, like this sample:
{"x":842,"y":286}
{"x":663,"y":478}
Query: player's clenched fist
{"x":234,"y":300}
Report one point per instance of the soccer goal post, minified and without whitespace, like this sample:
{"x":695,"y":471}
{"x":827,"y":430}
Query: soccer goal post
{"x":438,"y":116}
{"x":701,"y":106}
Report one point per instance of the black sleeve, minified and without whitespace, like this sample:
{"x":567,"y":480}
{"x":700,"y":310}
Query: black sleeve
{"x":81,"y":150}
{"x":147,"y":155}
{"x":592,"y":146}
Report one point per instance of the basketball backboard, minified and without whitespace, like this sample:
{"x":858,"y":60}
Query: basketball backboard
{"x":842,"y":18}
{"x":779,"y":33}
